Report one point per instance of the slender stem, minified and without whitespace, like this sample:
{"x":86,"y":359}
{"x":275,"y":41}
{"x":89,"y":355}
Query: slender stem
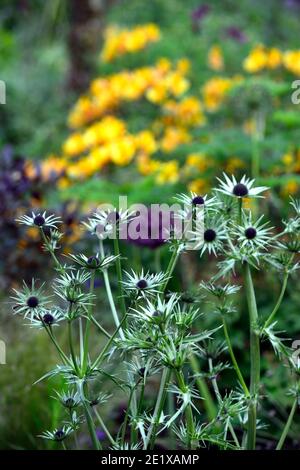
{"x":170,"y":269}
{"x":119,"y":274}
{"x":91,"y":426}
{"x":81,"y":339}
{"x":240,"y":206}
{"x":165,"y":378}
{"x":254,"y":358}
{"x":234,"y":361}
{"x":110,"y":296}
{"x":100,"y":327}
{"x":101,"y":356}
{"x":72,"y":351}
{"x":288,"y":425}
{"x":59,"y":350}
{"x":219,"y":398}
{"x":56,"y":262}
{"x":110,"y":438}
{"x":188,"y":411}
{"x":279,"y":301}
{"x":88,"y":327}
{"x":211,"y":409}
{"x":204,"y":390}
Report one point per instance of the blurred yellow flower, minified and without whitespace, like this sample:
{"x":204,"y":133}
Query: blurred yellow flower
{"x":274,"y":59}
{"x":215,"y":58}
{"x":147,"y":166}
{"x":198,"y":186}
{"x":233,"y":164}
{"x":196,"y":161}
{"x":187,"y":112}
{"x":167,"y":172}
{"x":214,"y":91}
{"x":291,"y":61}
{"x":290,"y":188}
{"x":118,"y":42}
{"x":256,"y":60}
{"x":173,"y":137}
{"x":288,"y":158}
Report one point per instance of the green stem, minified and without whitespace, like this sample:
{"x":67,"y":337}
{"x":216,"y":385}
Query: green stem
{"x":103,"y":330}
{"x":234,"y":361}
{"x":119,"y":274}
{"x":254,"y":358}
{"x":188,"y":411}
{"x":109,"y":295}
{"x":288,"y":425}
{"x":279,"y":301}
{"x":219,"y":399}
{"x":72,"y":351}
{"x":91,"y":426}
{"x":56,"y":262}
{"x":161,"y":397}
{"x":88,"y":327}
{"x":204,"y":390}
{"x":170,"y":269}
{"x":59,"y":350}
{"x":101,"y":422}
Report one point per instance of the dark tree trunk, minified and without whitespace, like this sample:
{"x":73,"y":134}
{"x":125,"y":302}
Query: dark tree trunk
{"x":85,"y":36}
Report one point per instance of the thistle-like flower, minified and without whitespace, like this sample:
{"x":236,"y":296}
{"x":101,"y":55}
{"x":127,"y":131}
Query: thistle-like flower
{"x":193,"y":200}
{"x":105,"y":223}
{"x":70,"y":287}
{"x":58,"y":434}
{"x":93,"y":262}
{"x":212,"y":237}
{"x":143,"y":284}
{"x":30,"y":300}
{"x":252,"y":234}
{"x":157,"y":311}
{"x":40,"y":220}
{"x":47,"y":318}
{"x":219,"y":291}
{"x":243,"y":188}
{"x":70,"y":399}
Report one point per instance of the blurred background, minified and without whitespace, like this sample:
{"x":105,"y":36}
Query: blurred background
{"x":144,"y":99}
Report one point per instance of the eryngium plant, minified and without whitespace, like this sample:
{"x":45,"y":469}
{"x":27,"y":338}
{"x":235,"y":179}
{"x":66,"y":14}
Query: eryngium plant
{"x":158,"y":333}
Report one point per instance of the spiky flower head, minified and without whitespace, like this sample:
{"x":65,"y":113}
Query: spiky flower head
{"x":253,"y":234}
{"x":143,"y":283}
{"x":58,"y":434}
{"x":240,"y":189}
{"x":212,"y":236}
{"x":30,"y":300}
{"x":40,"y":220}
{"x":47,"y":318}
{"x":94,"y":262}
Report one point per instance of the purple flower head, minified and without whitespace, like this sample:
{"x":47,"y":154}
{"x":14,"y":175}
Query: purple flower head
{"x":100,"y":434}
{"x":200,"y":12}
{"x":235,"y":33}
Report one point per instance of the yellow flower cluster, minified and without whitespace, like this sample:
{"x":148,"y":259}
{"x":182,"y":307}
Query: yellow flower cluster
{"x":118,"y":42}
{"x":261,"y":58}
{"x":187,"y":112}
{"x":156,"y":84}
{"x":215,"y":89}
{"x":291,"y":61}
